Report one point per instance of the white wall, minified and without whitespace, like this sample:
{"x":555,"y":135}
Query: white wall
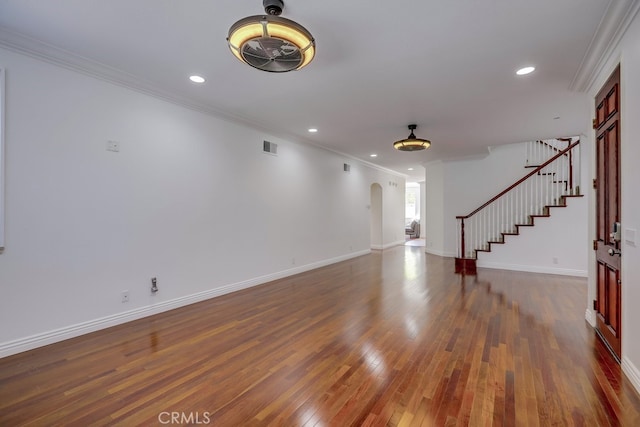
{"x":423,"y":209}
{"x":433,"y":232}
{"x":376,"y":216}
{"x":190,"y":199}
{"x":627,"y":53}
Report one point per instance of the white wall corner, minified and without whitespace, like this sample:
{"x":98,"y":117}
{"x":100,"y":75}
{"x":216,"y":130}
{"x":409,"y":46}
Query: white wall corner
{"x":632,"y":372}
{"x":590,"y":317}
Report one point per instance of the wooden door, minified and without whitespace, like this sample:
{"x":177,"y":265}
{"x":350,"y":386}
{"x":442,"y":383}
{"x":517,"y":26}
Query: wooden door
{"x":607,"y":245}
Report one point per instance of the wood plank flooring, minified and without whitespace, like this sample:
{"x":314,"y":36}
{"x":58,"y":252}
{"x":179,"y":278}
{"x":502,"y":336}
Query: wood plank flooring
{"x":392,"y":338}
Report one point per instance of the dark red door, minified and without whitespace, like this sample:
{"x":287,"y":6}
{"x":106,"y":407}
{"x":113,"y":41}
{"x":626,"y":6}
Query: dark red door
{"x":609,"y":289}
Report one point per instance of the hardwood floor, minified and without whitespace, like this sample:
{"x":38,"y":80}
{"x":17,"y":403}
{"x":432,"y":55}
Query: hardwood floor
{"x":391,"y":338}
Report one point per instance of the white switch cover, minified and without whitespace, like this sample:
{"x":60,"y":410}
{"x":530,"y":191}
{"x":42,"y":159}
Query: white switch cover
{"x":113,"y":146}
{"x":630,"y":236}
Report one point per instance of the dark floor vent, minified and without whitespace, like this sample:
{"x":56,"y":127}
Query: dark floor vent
{"x":270,"y":147}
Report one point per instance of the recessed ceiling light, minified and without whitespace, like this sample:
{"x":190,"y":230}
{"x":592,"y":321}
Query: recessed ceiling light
{"x":525,"y":70}
{"x":373,"y":155}
{"x":410,"y":169}
{"x":313,"y":130}
{"x":196,"y":79}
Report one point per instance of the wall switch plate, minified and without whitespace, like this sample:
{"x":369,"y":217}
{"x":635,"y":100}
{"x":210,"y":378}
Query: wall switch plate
{"x":630,"y":236}
{"x":125,"y":296}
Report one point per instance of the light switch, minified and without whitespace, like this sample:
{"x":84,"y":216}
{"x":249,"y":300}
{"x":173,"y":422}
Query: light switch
{"x":630,"y":236}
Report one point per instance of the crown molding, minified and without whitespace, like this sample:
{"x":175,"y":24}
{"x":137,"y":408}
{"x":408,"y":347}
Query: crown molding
{"x":37,"y":49}
{"x":612,"y":27}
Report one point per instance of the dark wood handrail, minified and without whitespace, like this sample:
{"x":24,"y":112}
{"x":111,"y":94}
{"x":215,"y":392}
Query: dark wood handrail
{"x":511,"y":187}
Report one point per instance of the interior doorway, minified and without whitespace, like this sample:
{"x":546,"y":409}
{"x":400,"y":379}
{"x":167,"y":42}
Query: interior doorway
{"x":412,"y":202}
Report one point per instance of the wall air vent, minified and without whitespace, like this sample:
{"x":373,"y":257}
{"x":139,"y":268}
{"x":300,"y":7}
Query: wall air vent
{"x":347,"y":167}
{"x":270,"y":147}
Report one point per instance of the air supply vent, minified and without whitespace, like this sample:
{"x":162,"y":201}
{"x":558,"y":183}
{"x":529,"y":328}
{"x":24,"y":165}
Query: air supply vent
{"x":270,"y":147}
{"x":347,"y":167}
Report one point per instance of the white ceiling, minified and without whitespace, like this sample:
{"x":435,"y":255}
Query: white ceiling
{"x":448,"y":66}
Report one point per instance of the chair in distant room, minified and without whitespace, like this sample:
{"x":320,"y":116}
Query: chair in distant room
{"x":413,"y":230}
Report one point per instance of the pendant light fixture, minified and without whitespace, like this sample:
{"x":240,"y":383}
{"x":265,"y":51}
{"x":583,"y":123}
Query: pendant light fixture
{"x":271,"y":43}
{"x":411,"y":143}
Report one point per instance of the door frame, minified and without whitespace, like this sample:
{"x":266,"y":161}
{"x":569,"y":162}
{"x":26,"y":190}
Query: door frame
{"x":607,"y":272}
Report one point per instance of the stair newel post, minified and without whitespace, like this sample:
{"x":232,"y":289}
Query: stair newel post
{"x":571,"y":172}
{"x":462,"y":248}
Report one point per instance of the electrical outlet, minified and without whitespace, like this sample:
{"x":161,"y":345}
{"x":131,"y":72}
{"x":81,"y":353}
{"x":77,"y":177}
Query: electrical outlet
{"x":154,"y":285}
{"x":125,"y":296}
{"x":555,"y":260}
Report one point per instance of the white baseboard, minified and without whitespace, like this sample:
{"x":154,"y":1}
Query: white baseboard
{"x":632,"y":372}
{"x":532,"y":268}
{"x":440,"y":253}
{"x":590,"y":317}
{"x":629,"y":369}
{"x":34,"y":341}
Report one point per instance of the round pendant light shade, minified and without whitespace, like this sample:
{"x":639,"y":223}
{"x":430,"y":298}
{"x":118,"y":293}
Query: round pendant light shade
{"x":412,"y":143}
{"x":271,"y":43}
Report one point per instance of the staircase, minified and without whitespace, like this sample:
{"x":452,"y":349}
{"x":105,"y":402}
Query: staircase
{"x":554,"y":176}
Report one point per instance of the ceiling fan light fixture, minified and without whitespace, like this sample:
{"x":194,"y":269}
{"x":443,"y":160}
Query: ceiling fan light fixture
{"x":271,"y":43}
{"x":412,"y":143}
